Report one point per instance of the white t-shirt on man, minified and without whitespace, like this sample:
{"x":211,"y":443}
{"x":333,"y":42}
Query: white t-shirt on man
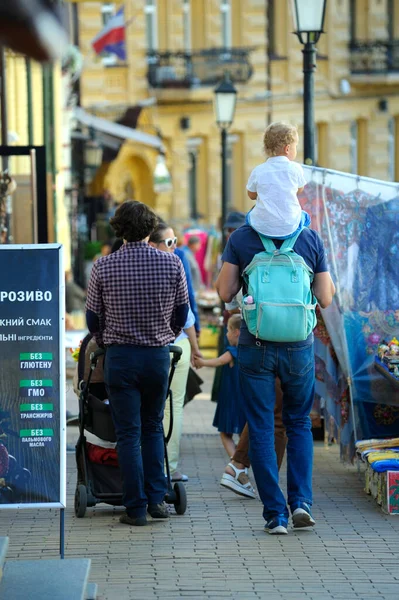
{"x":277,"y":211}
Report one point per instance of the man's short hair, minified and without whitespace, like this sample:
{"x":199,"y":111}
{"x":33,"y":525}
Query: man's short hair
{"x":193,"y":239}
{"x":133,"y":221}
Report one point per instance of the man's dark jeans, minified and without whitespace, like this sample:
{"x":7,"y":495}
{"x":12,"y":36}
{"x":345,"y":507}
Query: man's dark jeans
{"x":258,"y":368}
{"x":137,"y":380}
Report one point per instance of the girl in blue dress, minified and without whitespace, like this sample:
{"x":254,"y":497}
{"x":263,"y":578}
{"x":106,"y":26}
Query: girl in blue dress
{"x":229,"y":416}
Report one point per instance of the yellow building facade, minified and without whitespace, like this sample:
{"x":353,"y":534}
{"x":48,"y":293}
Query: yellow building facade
{"x":178,"y":50}
{"x":19,"y":106}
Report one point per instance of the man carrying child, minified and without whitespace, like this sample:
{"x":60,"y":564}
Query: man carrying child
{"x":260,"y":361}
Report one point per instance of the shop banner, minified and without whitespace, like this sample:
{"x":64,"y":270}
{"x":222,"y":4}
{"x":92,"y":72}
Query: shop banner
{"x":32,"y":376}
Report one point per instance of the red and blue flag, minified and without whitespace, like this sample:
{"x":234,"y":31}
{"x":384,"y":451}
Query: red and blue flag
{"x":111,"y":39}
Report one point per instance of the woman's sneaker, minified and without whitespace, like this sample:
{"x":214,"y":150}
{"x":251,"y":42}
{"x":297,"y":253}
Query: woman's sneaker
{"x":301,"y":515}
{"x":277,"y":525}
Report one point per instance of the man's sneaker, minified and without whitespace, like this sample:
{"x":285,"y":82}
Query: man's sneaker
{"x":136,"y":521}
{"x":277,"y":525}
{"x":301,"y":515}
{"x":158,"y":511}
{"x":238,"y":483}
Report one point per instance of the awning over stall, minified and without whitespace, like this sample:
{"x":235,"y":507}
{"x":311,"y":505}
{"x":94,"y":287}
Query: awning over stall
{"x":112,"y":134}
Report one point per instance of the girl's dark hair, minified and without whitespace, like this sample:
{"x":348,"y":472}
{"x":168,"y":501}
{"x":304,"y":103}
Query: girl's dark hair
{"x":157,"y":235}
{"x":133,"y":221}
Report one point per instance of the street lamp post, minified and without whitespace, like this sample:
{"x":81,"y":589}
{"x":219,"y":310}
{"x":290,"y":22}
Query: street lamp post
{"x":224,"y":103}
{"x":308,"y":24}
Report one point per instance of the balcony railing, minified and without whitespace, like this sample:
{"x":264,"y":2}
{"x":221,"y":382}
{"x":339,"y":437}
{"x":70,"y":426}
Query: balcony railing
{"x":374,"y":58}
{"x":195,"y":69}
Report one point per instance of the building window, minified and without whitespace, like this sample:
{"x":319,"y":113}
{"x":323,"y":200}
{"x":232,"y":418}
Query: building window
{"x":359,"y":147}
{"x":234,"y":193}
{"x":187,"y":25}
{"x":393,"y":20}
{"x":353,"y":148}
{"x":225,"y":12}
{"x":271,"y":29}
{"x":229,"y":178}
{"x":391,"y":149}
{"x":193,"y":150}
{"x":352,"y":20}
{"x":151,"y":24}
{"x":192,"y":183}
{"x":277,"y":17}
{"x":107,"y":12}
{"x":321,"y":144}
{"x":359,"y":20}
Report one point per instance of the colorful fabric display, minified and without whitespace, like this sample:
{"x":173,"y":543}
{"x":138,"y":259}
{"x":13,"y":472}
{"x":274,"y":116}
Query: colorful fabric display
{"x":376,"y":443}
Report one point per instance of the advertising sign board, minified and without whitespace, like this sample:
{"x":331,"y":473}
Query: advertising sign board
{"x":32,"y":377}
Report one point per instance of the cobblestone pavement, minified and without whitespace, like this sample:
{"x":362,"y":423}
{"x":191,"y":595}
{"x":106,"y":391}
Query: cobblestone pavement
{"x":218,"y":548}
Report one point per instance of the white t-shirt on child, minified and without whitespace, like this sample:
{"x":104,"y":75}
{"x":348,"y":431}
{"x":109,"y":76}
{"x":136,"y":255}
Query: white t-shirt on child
{"x":277,"y":211}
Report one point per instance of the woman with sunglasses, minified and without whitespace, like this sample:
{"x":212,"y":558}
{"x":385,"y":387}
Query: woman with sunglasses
{"x":163,"y":238}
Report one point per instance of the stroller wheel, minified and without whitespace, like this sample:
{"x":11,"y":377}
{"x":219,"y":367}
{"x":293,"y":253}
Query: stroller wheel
{"x":80,"y":501}
{"x":181,"y":498}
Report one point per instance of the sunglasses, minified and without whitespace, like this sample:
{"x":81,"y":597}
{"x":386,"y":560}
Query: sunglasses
{"x":169,"y":242}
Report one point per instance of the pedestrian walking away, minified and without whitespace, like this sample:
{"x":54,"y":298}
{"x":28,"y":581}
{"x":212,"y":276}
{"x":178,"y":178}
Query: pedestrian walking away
{"x":260,"y":361}
{"x":137,"y":304}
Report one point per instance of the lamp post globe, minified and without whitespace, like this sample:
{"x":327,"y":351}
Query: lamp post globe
{"x":225,"y":99}
{"x":225,"y":103}
{"x":308,"y":18}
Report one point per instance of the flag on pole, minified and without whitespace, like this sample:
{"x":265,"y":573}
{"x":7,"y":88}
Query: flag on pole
{"x":112,"y":38}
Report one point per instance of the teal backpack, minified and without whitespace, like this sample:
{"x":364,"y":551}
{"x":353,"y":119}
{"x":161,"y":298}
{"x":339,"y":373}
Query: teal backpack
{"x":283,"y":306}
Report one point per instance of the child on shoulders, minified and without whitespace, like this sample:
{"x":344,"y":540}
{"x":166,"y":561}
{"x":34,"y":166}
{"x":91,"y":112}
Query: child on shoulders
{"x":274,"y":185}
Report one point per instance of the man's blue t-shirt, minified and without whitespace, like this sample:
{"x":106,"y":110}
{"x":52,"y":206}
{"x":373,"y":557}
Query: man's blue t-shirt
{"x":244,"y":243}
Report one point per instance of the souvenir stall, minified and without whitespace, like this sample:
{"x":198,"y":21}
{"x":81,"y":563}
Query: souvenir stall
{"x":356,"y":356}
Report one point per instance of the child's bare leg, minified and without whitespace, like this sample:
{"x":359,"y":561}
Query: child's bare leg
{"x":228,"y":443}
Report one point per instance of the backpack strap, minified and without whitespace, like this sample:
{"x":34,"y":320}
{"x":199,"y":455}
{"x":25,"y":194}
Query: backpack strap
{"x":290,"y":242}
{"x":268,"y":244}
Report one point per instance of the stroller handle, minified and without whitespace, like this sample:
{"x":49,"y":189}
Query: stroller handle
{"x":176,"y":351}
{"x":94,"y":356}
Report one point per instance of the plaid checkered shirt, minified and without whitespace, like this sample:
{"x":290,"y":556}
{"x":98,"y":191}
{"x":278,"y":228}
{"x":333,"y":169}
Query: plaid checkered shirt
{"x":135,"y":293}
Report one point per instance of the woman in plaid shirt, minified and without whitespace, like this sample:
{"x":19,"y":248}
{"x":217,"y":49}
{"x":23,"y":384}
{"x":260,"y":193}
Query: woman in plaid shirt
{"x":137,"y":304}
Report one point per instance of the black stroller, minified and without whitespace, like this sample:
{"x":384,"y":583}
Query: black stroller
{"x":102,"y":482}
